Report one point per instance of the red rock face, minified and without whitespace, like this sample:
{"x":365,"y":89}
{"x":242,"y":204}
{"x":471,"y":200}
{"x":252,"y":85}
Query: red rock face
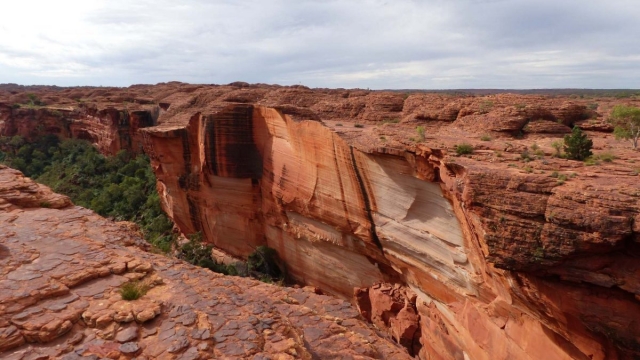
{"x":505,"y":260}
{"x":109,"y":129}
{"x":61,"y":268}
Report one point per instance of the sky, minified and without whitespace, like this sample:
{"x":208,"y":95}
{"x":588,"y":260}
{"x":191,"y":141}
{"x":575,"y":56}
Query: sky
{"x":376,"y":44}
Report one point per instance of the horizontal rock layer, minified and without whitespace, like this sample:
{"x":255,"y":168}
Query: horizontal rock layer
{"x":357,"y":188}
{"x":341,"y":216}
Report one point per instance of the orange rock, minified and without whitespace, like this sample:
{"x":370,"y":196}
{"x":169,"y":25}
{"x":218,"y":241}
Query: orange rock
{"x":507,"y":262}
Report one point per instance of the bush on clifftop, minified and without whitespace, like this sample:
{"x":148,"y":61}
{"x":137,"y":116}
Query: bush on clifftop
{"x":577,"y":146}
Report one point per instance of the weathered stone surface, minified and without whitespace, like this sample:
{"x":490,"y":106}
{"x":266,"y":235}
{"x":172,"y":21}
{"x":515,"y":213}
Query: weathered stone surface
{"x":487,"y":242}
{"x":181,"y":313}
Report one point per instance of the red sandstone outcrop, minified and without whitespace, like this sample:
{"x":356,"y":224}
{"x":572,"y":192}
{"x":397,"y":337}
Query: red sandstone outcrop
{"x":506,"y":261}
{"x":61,"y":268}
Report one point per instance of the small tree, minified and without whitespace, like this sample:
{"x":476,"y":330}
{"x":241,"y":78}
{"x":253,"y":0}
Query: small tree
{"x":627,"y":123}
{"x":577,"y":146}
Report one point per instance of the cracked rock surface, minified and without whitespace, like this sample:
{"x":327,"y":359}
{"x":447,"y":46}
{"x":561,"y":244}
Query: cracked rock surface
{"x":61,"y":268}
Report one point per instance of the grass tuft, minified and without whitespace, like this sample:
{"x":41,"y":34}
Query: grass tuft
{"x":133,"y":290}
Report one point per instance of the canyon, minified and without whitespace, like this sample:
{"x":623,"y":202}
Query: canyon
{"x":363,"y":195}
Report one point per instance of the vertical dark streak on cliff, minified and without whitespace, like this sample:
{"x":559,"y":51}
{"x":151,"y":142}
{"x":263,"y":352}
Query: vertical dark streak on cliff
{"x":365,"y":197}
{"x":210,"y":144}
{"x":231,"y":151}
{"x":186,"y":151}
{"x":194,"y":213}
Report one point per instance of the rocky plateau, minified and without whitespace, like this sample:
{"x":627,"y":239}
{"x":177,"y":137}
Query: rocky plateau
{"x":362,"y":194}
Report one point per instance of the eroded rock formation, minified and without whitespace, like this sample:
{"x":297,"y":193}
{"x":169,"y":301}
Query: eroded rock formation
{"x":61,"y":267}
{"x":506,"y":259}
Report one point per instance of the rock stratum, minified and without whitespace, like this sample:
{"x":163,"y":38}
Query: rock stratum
{"x":363,"y":196}
{"x":61,"y":267}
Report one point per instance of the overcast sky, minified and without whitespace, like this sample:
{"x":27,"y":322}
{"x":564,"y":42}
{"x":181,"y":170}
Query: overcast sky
{"x":422,"y":44}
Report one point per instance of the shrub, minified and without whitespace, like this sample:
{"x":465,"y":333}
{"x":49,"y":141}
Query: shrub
{"x":557,"y":145}
{"x":524,"y":155}
{"x":485,"y":138}
{"x":420,"y":130}
{"x":358,"y":125}
{"x":606,"y":157}
{"x":590,"y":161}
{"x":339,"y":124}
{"x":133,"y":290}
{"x":577,"y":146}
{"x":463,"y":149}
{"x":627,"y":123}
{"x":554,"y":174}
{"x":264,"y":263}
{"x":485,"y":106}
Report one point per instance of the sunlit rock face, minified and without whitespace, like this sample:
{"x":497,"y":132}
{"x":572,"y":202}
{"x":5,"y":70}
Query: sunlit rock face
{"x":343,"y":218}
{"x":482,"y":256}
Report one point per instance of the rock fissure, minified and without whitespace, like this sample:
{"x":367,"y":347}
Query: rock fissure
{"x":365,"y":198}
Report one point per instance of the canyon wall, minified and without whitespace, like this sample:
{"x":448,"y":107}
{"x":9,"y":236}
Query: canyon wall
{"x":62,"y":268}
{"x":110,"y":129}
{"x":505,"y":264}
{"x":506,"y":253}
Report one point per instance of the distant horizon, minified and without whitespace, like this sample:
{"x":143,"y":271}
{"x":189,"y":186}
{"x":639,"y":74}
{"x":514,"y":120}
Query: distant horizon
{"x":331,"y":88}
{"x":375,"y":44}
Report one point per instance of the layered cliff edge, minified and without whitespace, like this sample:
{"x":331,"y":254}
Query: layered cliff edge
{"x":61,"y":268}
{"x":500,"y":260}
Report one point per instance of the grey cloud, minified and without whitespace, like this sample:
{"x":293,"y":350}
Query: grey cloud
{"x":368,"y":43}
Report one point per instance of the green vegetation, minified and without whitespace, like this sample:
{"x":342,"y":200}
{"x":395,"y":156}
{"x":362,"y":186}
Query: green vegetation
{"x":34,"y":101}
{"x":390,"y":121}
{"x":420,"y":130}
{"x":463,"y":149}
{"x":486,"y":106}
{"x":485,"y":138}
{"x":627,"y":123}
{"x":557,"y":145}
{"x":577,"y":146}
{"x":133,"y":290}
{"x":537,"y":151}
{"x":121,"y":187}
{"x":358,"y":125}
{"x":606,"y":156}
{"x":199,"y":254}
{"x":263,"y":264}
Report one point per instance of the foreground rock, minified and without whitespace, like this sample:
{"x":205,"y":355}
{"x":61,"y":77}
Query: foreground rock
{"x":62,"y":267}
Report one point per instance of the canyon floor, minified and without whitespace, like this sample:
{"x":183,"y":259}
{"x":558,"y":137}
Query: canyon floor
{"x":508,"y":252}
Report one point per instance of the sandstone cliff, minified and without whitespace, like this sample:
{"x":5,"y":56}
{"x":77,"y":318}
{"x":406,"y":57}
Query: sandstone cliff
{"x":61,"y":267}
{"x":481,"y":256}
